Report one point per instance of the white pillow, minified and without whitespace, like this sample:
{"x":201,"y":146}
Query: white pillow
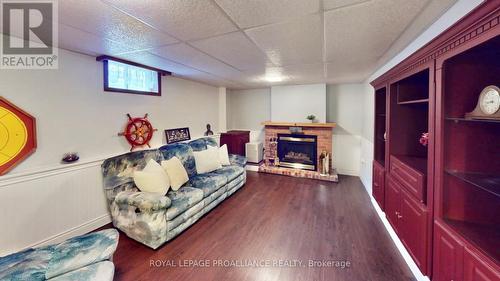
{"x":152,"y":179}
{"x":176,"y":172}
{"x":223,"y":155}
{"x":207,"y":160}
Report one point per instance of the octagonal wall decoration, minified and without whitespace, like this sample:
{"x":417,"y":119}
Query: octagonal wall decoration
{"x":17,"y":135}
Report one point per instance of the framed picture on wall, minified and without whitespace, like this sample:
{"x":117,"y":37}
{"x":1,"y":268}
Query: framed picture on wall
{"x":177,"y":135}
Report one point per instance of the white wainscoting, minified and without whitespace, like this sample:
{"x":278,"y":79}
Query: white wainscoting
{"x":50,"y":205}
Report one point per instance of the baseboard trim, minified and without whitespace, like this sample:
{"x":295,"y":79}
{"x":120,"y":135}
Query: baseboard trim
{"x":406,"y":256}
{"x":75,"y":231}
{"x":253,"y":168}
{"x":347,"y":172}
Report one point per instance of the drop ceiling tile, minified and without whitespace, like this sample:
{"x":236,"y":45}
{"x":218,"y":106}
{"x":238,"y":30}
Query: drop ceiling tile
{"x":147,"y":58}
{"x":183,"y":19}
{"x":189,"y":56}
{"x":295,"y":42}
{"x":350,"y":72}
{"x":211,"y":80}
{"x":258,"y":12}
{"x":336,"y":4}
{"x":95,"y":17}
{"x":429,"y":15}
{"x":296,"y":74}
{"x":83,"y":42}
{"x":366,"y":31}
{"x":234,"y":49}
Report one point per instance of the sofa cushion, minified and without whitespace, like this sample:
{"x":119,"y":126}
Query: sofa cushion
{"x":175,"y":171}
{"x":152,"y":178}
{"x":30,"y":264}
{"x":120,"y":169}
{"x":182,"y":151}
{"x":201,"y":143}
{"x":237,"y":160}
{"x":182,"y":200}
{"x":145,"y":201}
{"x":101,"y":271}
{"x":207,"y":160}
{"x":209,"y":182}
{"x":230,"y":172}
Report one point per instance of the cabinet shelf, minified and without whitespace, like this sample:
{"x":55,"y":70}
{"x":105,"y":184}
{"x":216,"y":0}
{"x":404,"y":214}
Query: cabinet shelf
{"x":478,"y":121}
{"x":485,"y":237}
{"x":419,"y":101}
{"x":488,"y":183}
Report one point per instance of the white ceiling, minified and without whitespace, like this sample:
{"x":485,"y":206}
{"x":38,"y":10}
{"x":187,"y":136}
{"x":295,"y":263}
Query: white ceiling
{"x":249,"y":43}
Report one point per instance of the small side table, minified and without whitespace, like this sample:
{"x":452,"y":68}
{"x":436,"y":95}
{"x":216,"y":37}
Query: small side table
{"x":235,"y":141}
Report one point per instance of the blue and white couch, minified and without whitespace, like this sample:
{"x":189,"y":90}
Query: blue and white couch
{"x":154,"y":219}
{"x":83,"y":258}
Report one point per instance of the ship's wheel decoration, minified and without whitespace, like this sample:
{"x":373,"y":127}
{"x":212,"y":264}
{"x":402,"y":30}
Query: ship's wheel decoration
{"x":138,"y":131}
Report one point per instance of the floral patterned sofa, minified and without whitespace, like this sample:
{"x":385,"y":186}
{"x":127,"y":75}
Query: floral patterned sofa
{"x":154,"y":219}
{"x":82,"y":258}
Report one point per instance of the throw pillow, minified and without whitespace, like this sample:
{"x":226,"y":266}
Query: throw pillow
{"x":207,"y":160}
{"x":176,"y":172}
{"x":224,"y":155}
{"x":152,"y":179}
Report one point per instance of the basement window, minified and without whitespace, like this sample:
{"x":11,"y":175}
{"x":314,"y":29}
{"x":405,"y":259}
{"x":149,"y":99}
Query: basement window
{"x":129,"y":77}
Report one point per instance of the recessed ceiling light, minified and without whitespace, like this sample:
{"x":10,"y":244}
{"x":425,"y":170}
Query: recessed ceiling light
{"x":273,"y":75}
{"x":273,"y":78}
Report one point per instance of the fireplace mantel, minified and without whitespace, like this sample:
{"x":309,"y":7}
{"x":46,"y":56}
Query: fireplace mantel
{"x":291,"y":124}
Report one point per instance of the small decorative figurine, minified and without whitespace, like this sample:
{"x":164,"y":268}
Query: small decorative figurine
{"x":138,"y":131}
{"x":209,"y":131}
{"x":424,"y":139}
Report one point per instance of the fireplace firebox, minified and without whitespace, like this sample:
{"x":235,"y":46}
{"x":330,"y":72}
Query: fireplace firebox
{"x":297,"y":151}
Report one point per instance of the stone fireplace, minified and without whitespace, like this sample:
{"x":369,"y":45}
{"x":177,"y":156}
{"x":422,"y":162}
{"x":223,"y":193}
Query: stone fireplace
{"x":296,"y":149}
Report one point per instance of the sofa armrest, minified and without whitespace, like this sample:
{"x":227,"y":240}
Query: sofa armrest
{"x":237,"y":160}
{"x":82,"y":251}
{"x":145,"y":201}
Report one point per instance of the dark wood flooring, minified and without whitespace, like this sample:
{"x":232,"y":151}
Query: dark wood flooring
{"x":275,"y":218}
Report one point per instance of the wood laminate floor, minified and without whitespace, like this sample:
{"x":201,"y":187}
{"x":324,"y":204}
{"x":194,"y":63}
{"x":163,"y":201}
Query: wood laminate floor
{"x":271,"y":220}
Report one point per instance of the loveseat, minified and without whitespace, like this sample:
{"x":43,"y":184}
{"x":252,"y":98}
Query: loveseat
{"x":82,"y":258}
{"x":154,"y":219}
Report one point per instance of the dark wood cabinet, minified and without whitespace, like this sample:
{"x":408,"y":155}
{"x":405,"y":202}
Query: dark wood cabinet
{"x":379,"y":155}
{"x":414,"y":180}
{"x":448,"y":255}
{"x":393,"y":202}
{"x":409,"y":218}
{"x":477,"y":269}
{"x":235,"y":141}
{"x":379,"y":184}
{"x":413,"y":225}
{"x":453,"y":179}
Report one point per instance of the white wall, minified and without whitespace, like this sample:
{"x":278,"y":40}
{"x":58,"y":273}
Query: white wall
{"x":41,"y":198}
{"x":346,"y":107}
{"x":344,"y":104}
{"x":247,"y":109}
{"x":295,"y":102}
